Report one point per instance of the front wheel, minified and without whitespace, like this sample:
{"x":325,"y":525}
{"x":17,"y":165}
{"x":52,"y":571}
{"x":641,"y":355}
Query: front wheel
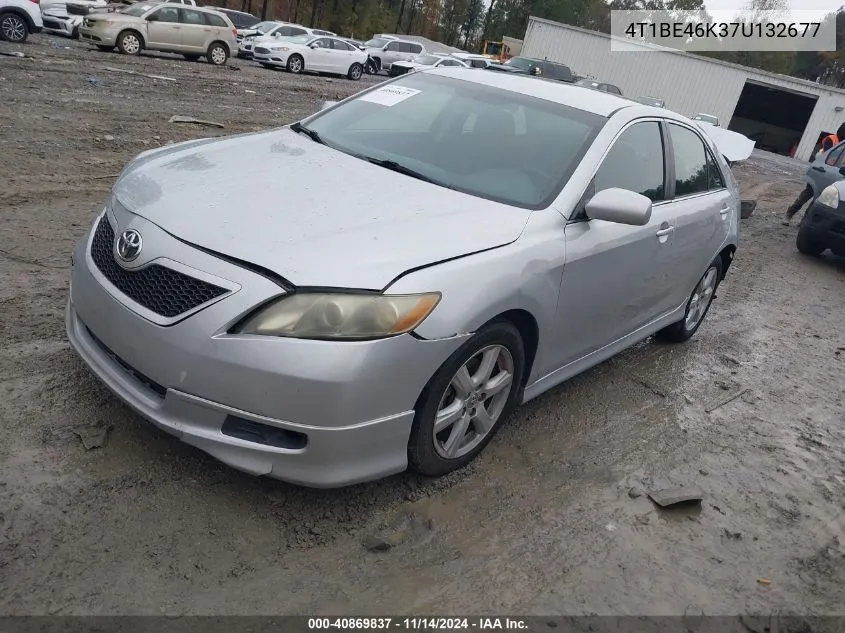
{"x":295,"y":64}
{"x":697,"y":305}
{"x":217,"y":54}
{"x":464,"y":403}
{"x":355,"y":72}
{"x":13,"y":28}
{"x":129,"y":43}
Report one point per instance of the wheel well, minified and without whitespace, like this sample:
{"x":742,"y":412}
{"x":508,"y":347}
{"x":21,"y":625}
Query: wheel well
{"x":21,"y":14}
{"x":138,"y":33}
{"x":727,"y":256}
{"x":526,"y":324}
{"x":223,"y":44}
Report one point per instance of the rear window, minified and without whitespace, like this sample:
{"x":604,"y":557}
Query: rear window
{"x":491,"y":143}
{"x":214,"y":20}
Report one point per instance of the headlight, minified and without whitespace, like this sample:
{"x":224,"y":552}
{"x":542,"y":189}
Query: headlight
{"x":341,"y":316}
{"x":830,"y":197}
{"x":280,"y":48}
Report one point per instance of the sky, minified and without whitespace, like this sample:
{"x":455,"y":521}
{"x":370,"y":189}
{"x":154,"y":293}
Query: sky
{"x":819,"y":8}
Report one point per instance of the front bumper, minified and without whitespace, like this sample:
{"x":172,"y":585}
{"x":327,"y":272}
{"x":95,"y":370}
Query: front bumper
{"x":827,"y":226}
{"x":245,"y":50}
{"x":345,"y":409}
{"x":97,"y":37}
{"x":273,"y":58}
{"x":61,"y":24}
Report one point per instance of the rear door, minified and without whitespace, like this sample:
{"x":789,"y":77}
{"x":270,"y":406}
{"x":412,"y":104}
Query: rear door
{"x":164,"y":30}
{"x":196,"y":34}
{"x":703,"y":207}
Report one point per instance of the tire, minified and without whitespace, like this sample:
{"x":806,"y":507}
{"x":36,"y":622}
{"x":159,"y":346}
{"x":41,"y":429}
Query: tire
{"x":191,"y":57}
{"x":13,"y":28}
{"x":807,"y":244}
{"x":74,"y":34}
{"x":370,"y":68}
{"x":434,"y":454}
{"x":355,"y":72}
{"x":106,"y":49}
{"x":217,"y":54}
{"x":296,"y":64}
{"x":130,"y":43}
{"x":705,"y":290}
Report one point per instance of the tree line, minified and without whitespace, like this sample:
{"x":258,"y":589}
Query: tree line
{"x":467,"y":23}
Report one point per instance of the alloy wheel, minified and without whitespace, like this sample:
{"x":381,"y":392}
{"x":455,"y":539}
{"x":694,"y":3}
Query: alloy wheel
{"x":218,"y":55}
{"x":473,"y":401}
{"x":131,"y":43}
{"x":13,"y":28}
{"x":701,"y":298}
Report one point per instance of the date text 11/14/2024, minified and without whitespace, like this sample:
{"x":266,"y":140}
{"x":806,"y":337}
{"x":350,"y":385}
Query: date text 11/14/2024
{"x":417,"y":624}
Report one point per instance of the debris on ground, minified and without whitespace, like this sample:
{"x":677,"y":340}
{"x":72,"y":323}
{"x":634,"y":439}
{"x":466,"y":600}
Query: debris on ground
{"x":764,"y":581}
{"x":635,"y":493}
{"x":734,"y":536}
{"x":176,"y":118}
{"x":110,"y":69}
{"x":674,"y":496}
{"x":94,"y":435}
{"x":724,"y":401}
{"x":15,"y":54}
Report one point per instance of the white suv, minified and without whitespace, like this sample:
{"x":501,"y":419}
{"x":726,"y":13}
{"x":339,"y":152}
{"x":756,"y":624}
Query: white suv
{"x":19,"y":18}
{"x":385,"y":51}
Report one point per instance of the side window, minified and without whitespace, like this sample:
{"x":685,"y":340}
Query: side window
{"x":834,"y":155}
{"x":167,"y":14}
{"x":478,"y":63}
{"x":192,"y":17}
{"x":394,"y":46}
{"x":214,"y":20}
{"x":635,"y":162}
{"x":690,"y":161}
{"x":415,"y":48}
{"x":341,"y":46}
{"x":323,"y":43}
{"x":715,"y":180}
{"x":295,"y":31}
{"x":448,"y":62}
{"x":283,"y":31}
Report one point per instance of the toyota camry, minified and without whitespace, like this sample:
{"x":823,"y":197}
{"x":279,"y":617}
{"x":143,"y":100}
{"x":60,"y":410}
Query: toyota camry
{"x":424,"y":256}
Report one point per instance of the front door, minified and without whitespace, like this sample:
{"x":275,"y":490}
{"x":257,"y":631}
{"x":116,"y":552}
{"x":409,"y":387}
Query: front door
{"x":615,"y":276}
{"x":196,"y":34}
{"x":320,"y":58}
{"x":163,"y":28}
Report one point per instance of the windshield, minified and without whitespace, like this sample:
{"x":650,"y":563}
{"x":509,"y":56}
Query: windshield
{"x":377,"y":42}
{"x":426,"y":60}
{"x":478,"y":139}
{"x":520,"y":62}
{"x":298,"y":39}
{"x":137,"y":10}
{"x":263,"y":27}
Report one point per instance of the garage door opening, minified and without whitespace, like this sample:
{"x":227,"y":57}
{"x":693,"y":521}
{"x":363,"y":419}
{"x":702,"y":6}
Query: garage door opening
{"x":773,"y":117}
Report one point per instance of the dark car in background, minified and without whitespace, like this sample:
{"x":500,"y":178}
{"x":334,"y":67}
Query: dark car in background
{"x":823,"y":225}
{"x":241,"y":19}
{"x":538,"y":67}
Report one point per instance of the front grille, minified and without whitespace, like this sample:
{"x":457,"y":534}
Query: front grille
{"x":262,"y":51}
{"x":160,"y":289}
{"x":151,"y":384}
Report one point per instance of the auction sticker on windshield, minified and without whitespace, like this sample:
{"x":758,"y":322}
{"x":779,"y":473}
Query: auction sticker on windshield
{"x":389,"y":95}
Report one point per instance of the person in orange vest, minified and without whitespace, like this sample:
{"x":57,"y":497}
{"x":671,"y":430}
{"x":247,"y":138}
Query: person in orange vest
{"x":807,"y":194}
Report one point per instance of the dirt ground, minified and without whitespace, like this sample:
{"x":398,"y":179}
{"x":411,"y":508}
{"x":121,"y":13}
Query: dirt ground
{"x":542,"y":523}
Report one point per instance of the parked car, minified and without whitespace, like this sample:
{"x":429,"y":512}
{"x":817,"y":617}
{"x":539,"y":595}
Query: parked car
{"x":427,"y":60}
{"x":823,"y":225}
{"x":246,"y":37}
{"x":313,"y":54}
{"x":592,"y":84}
{"x":194,"y":31}
{"x":241,"y":19}
{"x":473,"y":60}
{"x":536,"y":67}
{"x":19,"y":18}
{"x":281,"y":30}
{"x":652,"y":101}
{"x":384,"y":51}
{"x":827,"y":168}
{"x":341,"y":337}
{"x":706,"y":118}
{"x":256,"y":29}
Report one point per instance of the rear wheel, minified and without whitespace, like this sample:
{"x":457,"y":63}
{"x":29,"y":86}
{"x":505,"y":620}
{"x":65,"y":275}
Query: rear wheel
{"x":129,"y":43}
{"x":13,"y":28}
{"x":217,"y":54}
{"x":465,"y":402}
{"x":697,"y":305}
{"x":296,"y":64}
{"x":355,"y":72}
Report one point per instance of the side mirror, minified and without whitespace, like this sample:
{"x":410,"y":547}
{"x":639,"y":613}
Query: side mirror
{"x":620,"y":206}
{"x":384,"y":48}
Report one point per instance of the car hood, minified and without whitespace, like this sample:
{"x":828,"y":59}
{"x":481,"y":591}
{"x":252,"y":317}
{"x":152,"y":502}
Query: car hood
{"x":111,"y":17}
{"x":318,"y":217}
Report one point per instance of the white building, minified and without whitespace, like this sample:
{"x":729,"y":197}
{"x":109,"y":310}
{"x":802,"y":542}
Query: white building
{"x":776,"y":111}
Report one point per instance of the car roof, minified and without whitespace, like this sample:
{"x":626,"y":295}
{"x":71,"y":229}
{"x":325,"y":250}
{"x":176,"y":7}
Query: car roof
{"x":581,"y":98}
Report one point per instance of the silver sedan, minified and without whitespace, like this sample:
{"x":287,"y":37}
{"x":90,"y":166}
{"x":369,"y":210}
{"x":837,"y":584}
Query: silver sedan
{"x":421,"y":258}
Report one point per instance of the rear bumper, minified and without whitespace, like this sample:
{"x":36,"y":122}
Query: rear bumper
{"x":826,"y":225}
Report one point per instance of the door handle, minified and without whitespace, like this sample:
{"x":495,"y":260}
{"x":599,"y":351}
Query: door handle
{"x":724,"y":212}
{"x":817,"y":168}
{"x":665,"y":232}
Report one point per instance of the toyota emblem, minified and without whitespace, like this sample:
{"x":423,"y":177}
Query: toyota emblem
{"x":129,"y":245}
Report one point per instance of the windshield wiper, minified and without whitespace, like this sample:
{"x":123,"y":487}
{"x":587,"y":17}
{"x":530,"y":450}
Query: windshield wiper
{"x":301,"y":129}
{"x":392,"y":165}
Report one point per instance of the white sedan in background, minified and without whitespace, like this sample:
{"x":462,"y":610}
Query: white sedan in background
{"x":426,"y":60}
{"x":313,"y":54}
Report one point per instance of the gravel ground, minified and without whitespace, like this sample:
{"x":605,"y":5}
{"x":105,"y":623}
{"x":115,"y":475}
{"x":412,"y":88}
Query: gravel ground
{"x":543,"y":523}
